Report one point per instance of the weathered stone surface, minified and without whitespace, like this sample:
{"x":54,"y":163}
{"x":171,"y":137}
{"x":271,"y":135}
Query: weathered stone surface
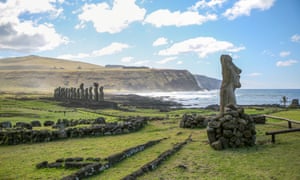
{"x":232,"y":131}
{"x":48,"y":123}
{"x":230,"y":81}
{"x":294,"y":103}
{"x":193,"y":121}
{"x":5,"y":124}
{"x":217,"y":145}
{"x":23,"y":125}
{"x":36,"y":123}
{"x":20,"y":135}
{"x":43,"y":164}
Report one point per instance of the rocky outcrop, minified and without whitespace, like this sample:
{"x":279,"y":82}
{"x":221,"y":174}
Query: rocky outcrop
{"x":207,"y":83}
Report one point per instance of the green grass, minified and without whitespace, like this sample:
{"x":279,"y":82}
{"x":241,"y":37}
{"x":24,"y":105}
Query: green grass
{"x":263,"y":161}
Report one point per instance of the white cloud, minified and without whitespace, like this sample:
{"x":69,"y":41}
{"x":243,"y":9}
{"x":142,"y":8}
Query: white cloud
{"x":210,"y":4}
{"x":127,"y":59}
{"x":111,"y":19}
{"x":268,"y":53}
{"x":244,"y":7}
{"x":164,"y":17}
{"x":179,"y":62}
{"x":160,"y":41}
{"x":286,"y":63}
{"x":113,"y":48}
{"x":28,"y":35}
{"x":166,"y":60}
{"x":255,"y":74}
{"x":284,"y":53}
{"x":295,"y":38}
{"x":202,"y":46}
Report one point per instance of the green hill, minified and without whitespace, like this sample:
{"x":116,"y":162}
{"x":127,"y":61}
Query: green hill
{"x":40,"y":74}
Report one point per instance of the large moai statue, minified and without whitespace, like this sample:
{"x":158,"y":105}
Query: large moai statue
{"x":81,"y":91}
{"x":68,"y":93}
{"x":91,"y":93}
{"x":78,"y":93}
{"x":101,"y":95}
{"x":59,"y":92}
{"x":96,"y":93}
{"x":230,"y":81}
{"x":232,"y":128}
{"x":73,"y":93}
{"x":86,"y":94}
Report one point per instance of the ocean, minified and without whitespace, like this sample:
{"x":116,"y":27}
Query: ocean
{"x":244,"y":97}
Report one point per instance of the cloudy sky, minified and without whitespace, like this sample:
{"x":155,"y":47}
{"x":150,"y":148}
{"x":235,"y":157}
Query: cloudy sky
{"x":262,"y":36}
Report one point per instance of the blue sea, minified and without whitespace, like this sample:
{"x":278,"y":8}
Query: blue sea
{"x":243,"y":96}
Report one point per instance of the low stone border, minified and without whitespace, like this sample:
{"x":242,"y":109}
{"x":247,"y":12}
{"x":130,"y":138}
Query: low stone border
{"x":156,"y":162}
{"x":92,"y":166}
{"x":18,"y":136}
{"x":96,"y":168}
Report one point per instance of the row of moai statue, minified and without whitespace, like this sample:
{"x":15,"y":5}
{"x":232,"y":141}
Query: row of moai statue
{"x":87,"y":94}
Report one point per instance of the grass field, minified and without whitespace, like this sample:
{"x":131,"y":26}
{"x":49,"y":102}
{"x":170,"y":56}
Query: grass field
{"x":196,"y":160}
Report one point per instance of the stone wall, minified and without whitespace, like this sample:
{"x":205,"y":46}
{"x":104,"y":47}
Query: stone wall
{"x":92,"y":166}
{"x":151,"y":166}
{"x":232,"y":129}
{"x":193,"y":121}
{"x":20,"y":135}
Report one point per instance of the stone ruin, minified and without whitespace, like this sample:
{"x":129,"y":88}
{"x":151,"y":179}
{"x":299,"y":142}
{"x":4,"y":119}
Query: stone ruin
{"x":193,"y":121}
{"x":232,"y":127}
{"x":294,"y":103}
{"x":81,"y":93}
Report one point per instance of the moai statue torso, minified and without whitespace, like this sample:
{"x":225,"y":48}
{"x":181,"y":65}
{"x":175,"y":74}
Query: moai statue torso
{"x":91,"y":93}
{"x":101,"y":93}
{"x":96,"y":85}
{"x":230,"y":81}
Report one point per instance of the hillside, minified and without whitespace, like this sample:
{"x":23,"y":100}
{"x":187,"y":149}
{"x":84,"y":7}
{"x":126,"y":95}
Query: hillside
{"x":207,"y":83}
{"x":37,"y":63}
{"x":39,"y":74}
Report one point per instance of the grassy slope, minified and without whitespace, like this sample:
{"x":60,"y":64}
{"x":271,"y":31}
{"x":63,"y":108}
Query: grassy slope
{"x":264,"y":161}
{"x":37,"y":63}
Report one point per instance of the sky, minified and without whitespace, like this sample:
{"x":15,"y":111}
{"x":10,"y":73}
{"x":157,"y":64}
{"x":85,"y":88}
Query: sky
{"x":262,"y":36}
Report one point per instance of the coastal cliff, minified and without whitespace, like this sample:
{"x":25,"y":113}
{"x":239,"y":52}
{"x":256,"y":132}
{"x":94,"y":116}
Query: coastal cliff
{"x":41,"y":74}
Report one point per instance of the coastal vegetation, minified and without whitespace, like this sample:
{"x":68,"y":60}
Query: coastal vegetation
{"x":196,"y":160}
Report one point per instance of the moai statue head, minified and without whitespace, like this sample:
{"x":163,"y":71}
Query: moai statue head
{"x":230,"y":81}
{"x":81,"y":86}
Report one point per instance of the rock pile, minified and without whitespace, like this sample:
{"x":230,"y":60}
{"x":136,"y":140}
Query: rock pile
{"x":193,"y":121}
{"x":294,"y":103}
{"x":231,"y":130}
